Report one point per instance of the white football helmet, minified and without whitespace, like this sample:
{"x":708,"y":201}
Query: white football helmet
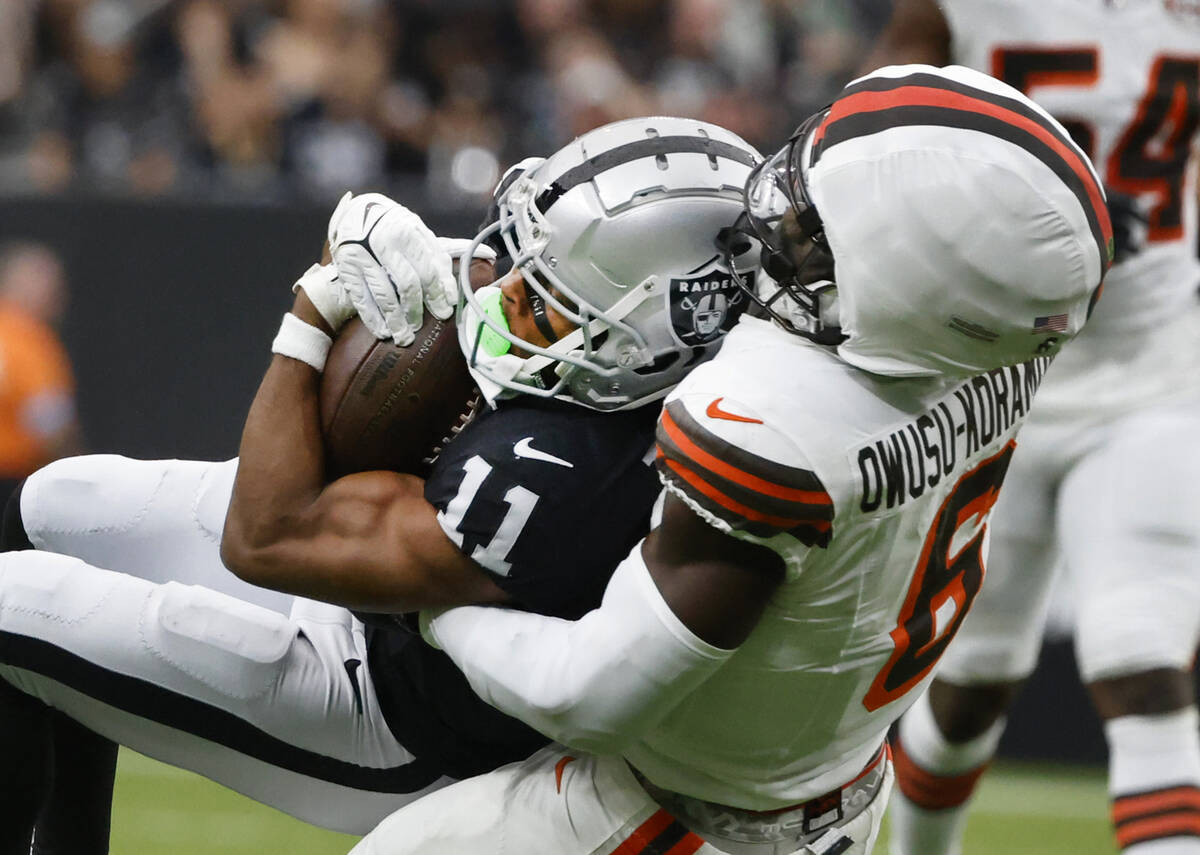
{"x":930,"y":221}
{"x":615,"y":231}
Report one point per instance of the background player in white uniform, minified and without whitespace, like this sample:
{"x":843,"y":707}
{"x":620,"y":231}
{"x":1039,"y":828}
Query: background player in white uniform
{"x":1107,"y":477}
{"x":824,"y":528}
{"x":320,"y":715}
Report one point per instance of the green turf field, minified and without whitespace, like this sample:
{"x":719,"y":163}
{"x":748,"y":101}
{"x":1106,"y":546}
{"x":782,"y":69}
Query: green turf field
{"x":161,"y":811}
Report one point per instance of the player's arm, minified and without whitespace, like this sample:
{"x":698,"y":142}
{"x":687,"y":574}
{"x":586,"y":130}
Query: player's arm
{"x":715,"y":584}
{"x":916,"y":32}
{"x":368,"y":541}
{"x":675,"y":609}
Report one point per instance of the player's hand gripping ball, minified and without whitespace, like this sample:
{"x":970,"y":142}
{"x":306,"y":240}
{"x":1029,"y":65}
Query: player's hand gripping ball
{"x":391,"y":266}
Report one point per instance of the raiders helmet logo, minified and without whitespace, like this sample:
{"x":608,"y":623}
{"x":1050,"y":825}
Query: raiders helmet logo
{"x":706,"y":305}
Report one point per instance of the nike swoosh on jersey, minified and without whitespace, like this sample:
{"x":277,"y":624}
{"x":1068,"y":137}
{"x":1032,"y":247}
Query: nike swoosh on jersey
{"x":522,"y":448}
{"x":559,"y":768}
{"x":714,"y":411}
{"x":352,"y":671}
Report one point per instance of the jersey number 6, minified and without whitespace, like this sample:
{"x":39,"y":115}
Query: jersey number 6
{"x":920,"y":637}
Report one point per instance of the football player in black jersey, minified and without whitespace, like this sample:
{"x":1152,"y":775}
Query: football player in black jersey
{"x":615,"y":291}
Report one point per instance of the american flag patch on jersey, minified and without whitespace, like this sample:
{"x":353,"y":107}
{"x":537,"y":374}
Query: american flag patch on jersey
{"x":1050,"y":323}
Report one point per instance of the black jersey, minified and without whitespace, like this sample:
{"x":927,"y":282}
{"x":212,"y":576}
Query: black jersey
{"x":548,"y":498}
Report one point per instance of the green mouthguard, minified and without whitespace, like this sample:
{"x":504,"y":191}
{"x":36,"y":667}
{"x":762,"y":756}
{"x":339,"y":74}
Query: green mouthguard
{"x":491,"y":342}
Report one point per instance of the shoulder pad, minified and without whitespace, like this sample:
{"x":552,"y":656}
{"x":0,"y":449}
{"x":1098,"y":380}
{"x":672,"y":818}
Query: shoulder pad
{"x":704,"y":455}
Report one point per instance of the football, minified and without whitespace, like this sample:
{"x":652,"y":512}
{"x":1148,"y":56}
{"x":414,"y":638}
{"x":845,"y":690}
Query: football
{"x":389,"y":407}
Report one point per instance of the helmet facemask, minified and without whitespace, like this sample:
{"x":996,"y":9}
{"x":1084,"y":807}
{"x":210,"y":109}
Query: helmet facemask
{"x":799,"y":289}
{"x":523,"y":233}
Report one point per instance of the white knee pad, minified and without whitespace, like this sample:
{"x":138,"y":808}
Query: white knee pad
{"x":159,"y":520}
{"x":93,"y":505}
{"x":1129,"y":629}
{"x":92,"y":494}
{"x":1131,"y":531}
{"x":39,"y":588}
{"x":232,"y":647}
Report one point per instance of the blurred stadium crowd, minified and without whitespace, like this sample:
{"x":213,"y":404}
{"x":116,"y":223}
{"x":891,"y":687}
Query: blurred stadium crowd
{"x":279,"y":100}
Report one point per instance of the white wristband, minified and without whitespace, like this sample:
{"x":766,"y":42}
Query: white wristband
{"x":302,"y":342}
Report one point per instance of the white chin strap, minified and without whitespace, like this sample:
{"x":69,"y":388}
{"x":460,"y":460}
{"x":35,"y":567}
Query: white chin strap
{"x":506,"y":367}
{"x":827,"y":302}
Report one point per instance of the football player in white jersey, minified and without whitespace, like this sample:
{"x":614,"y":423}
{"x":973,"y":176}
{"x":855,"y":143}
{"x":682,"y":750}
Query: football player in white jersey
{"x":1107,"y":479}
{"x":934,"y":238}
{"x":334,"y":717}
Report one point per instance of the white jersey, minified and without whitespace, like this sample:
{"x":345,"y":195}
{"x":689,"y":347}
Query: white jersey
{"x":876,"y":493}
{"x":1127,"y":86}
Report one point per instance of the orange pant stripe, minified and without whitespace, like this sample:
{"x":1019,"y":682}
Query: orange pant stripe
{"x":1156,"y":827}
{"x":1126,"y":808}
{"x":644,"y":834}
{"x":930,"y":791}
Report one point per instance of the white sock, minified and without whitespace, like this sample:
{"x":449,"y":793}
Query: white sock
{"x":1154,"y":782}
{"x":935,"y":780}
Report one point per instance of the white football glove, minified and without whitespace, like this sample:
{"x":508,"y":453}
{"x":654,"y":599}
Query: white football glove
{"x":327,"y":294}
{"x":390,"y":264}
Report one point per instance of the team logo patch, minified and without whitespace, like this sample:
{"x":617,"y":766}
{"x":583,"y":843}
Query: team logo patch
{"x":706,"y":305}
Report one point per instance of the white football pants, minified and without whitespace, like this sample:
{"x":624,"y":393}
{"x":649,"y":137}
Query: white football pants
{"x":280,"y":708}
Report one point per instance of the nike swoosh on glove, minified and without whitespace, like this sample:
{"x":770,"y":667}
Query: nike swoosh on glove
{"x":391,"y":265}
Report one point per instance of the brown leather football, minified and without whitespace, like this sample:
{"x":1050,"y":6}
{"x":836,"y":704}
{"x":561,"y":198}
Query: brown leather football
{"x":390,"y":407}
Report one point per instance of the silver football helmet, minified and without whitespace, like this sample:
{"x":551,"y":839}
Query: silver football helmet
{"x":615,"y":232}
